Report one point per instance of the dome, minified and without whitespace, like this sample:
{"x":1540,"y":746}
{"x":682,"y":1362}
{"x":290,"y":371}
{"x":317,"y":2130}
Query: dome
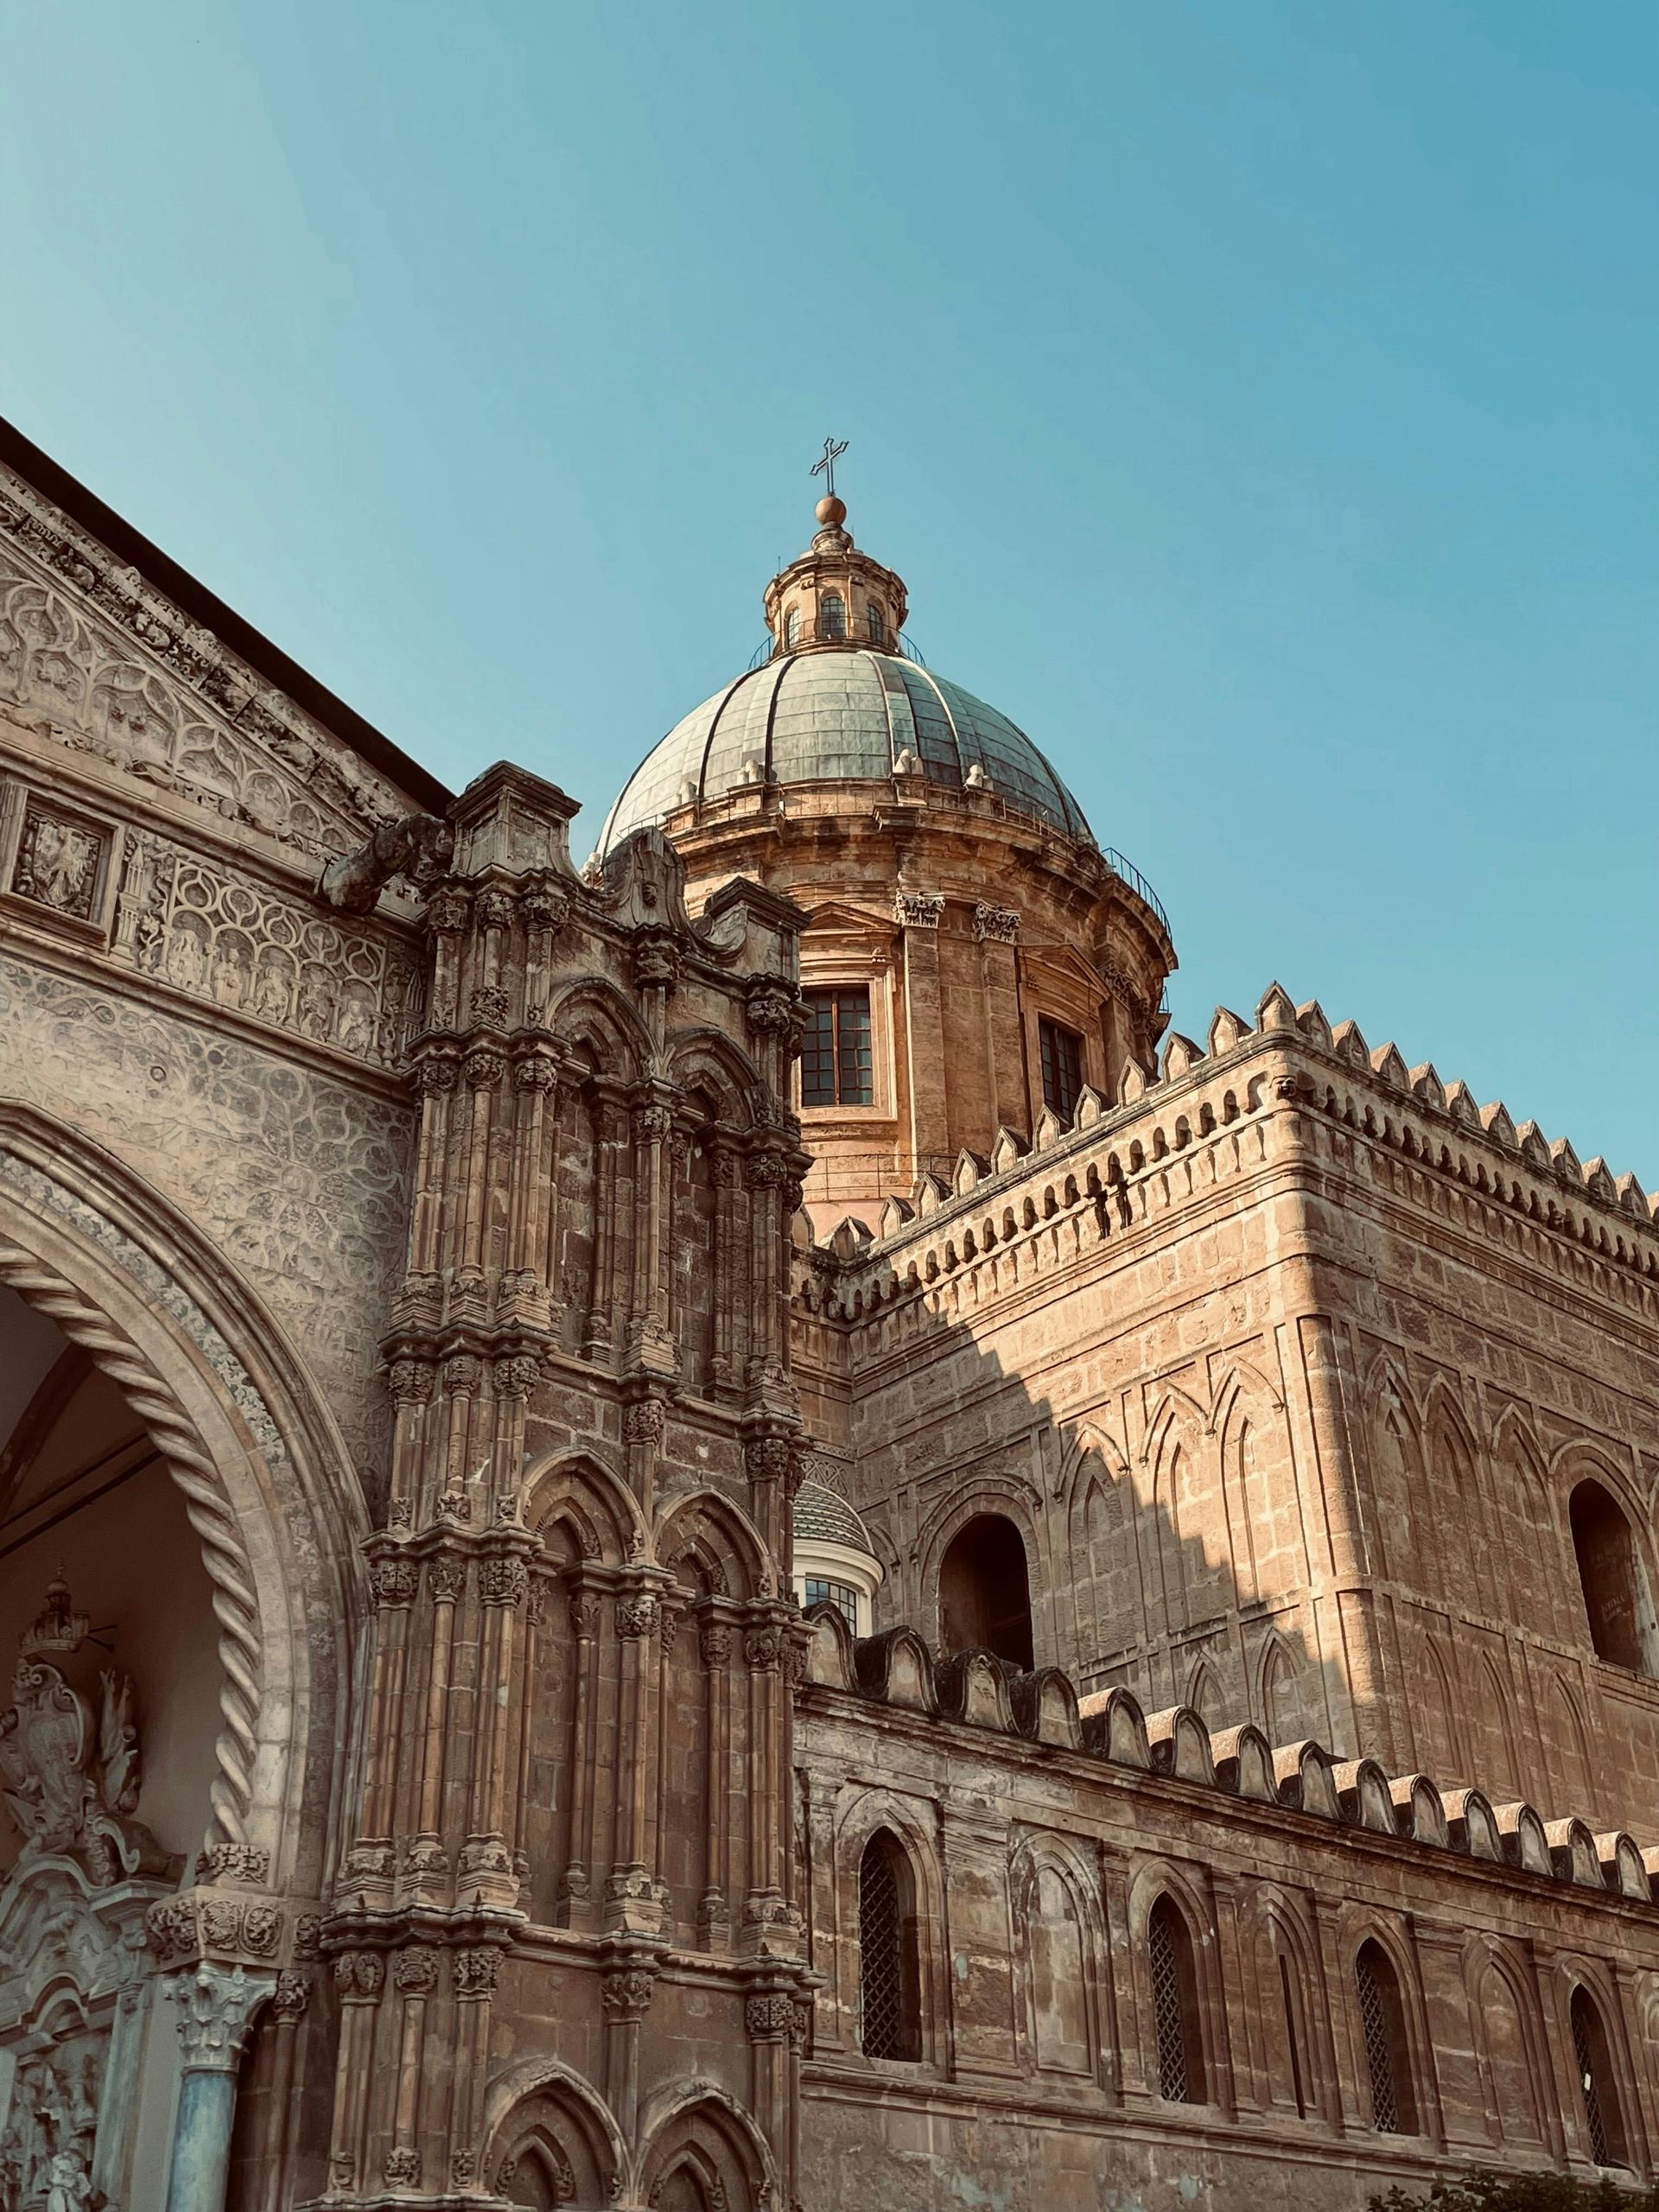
{"x":824,"y":1517}
{"x":848,"y":714}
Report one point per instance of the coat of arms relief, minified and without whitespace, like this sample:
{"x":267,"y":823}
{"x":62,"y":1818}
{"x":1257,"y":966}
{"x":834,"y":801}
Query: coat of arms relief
{"x":69,"y":1768}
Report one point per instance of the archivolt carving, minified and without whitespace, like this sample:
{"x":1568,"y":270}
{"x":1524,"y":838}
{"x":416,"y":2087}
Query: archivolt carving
{"x":210,"y":1512}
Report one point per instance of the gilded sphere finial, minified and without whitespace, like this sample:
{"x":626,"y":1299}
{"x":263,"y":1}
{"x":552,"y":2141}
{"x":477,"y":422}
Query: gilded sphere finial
{"x":831,"y":511}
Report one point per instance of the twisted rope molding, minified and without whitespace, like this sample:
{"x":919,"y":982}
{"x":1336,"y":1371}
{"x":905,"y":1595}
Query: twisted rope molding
{"x":209,"y":1511}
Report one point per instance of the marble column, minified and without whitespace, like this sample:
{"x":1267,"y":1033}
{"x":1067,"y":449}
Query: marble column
{"x":216,"y":2008}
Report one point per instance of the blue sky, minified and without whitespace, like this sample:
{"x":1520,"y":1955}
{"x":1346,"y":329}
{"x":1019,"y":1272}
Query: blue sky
{"x":1258,"y":401}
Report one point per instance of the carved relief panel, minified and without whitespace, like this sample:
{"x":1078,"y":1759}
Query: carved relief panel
{"x":227,"y":941}
{"x":57,"y":862}
{"x":125,"y":679}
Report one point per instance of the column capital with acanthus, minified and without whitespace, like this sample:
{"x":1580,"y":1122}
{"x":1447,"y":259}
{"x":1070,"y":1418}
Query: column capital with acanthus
{"x":216,"y":2009}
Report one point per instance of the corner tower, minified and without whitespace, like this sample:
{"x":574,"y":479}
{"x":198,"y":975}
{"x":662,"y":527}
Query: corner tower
{"x":973,"y":957}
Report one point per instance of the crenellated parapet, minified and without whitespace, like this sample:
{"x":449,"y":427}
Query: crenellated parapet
{"x":1286,"y":1087}
{"x":1036,"y":1711}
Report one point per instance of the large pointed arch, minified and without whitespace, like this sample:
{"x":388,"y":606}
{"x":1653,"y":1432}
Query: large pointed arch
{"x":265,"y":1474}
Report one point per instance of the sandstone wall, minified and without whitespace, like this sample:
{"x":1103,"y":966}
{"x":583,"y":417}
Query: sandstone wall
{"x":1286,"y":1371}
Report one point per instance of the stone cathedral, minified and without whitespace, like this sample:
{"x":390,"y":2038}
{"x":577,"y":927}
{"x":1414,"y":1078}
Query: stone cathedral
{"x":713,"y":1531}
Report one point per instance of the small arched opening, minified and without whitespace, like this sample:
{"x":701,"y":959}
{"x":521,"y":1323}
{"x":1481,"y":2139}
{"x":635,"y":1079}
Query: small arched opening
{"x":832,"y":615}
{"x":1176,"y":2020}
{"x":889,"y":1967}
{"x":1387,"y":2050}
{"x":1604,"y":2118}
{"x":1609,"y":1574}
{"x":985,"y":1591}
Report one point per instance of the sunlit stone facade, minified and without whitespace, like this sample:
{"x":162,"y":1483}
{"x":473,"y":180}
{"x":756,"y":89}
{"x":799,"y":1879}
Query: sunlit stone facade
{"x":455,"y":1308}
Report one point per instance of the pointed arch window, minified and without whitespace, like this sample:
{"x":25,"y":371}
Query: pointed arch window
{"x":1597,"y":2089}
{"x":889,"y":1977}
{"x":1292,"y":2039}
{"x":1388,"y":2053}
{"x":1616,"y":1599}
{"x":985,"y":1591}
{"x":832,"y":615}
{"x":1175,"y":2004}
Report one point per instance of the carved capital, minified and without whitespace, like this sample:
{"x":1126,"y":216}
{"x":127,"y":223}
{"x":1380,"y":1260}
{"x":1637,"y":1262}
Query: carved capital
{"x":415,"y":1971}
{"x":291,"y":1996}
{"x":359,"y":1976}
{"x":770,"y":2017}
{"x":996,"y":925}
{"x":546,"y":907}
{"x":216,"y":2009}
{"x":494,"y":909}
{"x":462,"y":1373}
{"x":517,"y":1376}
{"x":584,"y":1614}
{"x":447,"y":909}
{"x":919,"y":910}
{"x":656,"y":961}
{"x":767,"y":1459}
{"x":714,"y":1645}
{"x":393,"y":1581}
{"x":503,"y":1581}
{"x":476,"y":1971}
{"x":535,"y":1072}
{"x":446,"y":1578}
{"x":653,"y":1124}
{"x":763,"y":1648}
{"x":435,"y":1077}
{"x":484,"y":1067}
{"x":626,"y":1992}
{"x":403,"y":2166}
{"x":635,"y":1614}
{"x":643,"y":1422}
{"x":409,"y":1381}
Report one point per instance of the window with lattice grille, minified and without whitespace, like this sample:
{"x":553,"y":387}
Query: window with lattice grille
{"x":1601,"y":2113}
{"x":1174,"y":2006}
{"x":888,"y":2013}
{"x":1382,"y":2017}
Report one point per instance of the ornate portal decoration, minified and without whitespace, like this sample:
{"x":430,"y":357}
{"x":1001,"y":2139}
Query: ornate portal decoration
{"x":69,"y":1761}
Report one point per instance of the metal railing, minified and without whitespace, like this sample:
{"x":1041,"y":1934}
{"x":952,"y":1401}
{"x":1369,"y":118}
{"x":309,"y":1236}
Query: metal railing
{"x":1127,"y":871}
{"x":768,"y":649}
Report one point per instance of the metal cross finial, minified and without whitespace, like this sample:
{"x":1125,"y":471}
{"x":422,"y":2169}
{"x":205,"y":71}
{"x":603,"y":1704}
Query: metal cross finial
{"x":833,"y":449}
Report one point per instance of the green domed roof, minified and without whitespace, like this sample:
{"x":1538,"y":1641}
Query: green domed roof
{"x":812,"y":716}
